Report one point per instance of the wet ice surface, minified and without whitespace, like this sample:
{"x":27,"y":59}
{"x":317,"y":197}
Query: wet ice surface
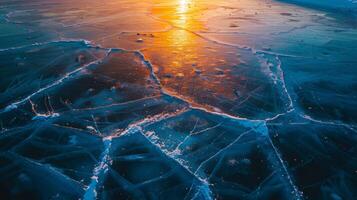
{"x":177,"y":100}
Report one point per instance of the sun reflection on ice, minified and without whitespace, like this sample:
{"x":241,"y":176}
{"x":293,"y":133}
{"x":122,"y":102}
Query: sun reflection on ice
{"x":183,"y":8}
{"x":184,"y":5}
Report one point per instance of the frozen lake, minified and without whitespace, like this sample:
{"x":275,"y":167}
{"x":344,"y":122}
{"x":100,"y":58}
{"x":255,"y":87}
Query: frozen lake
{"x":178,"y":99}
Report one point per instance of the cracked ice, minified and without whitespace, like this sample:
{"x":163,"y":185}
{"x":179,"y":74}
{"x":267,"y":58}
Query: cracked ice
{"x":173,"y":99}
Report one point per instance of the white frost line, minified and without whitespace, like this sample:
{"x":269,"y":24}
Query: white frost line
{"x":307,"y":117}
{"x":221,"y":114}
{"x":127,"y":103}
{"x":207,"y":193}
{"x":48,"y":114}
{"x":148,"y":64}
{"x":96,"y":125}
{"x":297,"y":193}
{"x":207,"y":129}
{"x":45,"y":43}
{"x":137,"y":126}
{"x":278,"y":76}
{"x":279,"y":115}
{"x":221,"y":150}
{"x":99,"y":171}
{"x":282,"y":80}
{"x":59,"y":81}
{"x":177,"y":149}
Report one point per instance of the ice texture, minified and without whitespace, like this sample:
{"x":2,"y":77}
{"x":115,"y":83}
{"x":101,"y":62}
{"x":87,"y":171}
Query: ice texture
{"x":178,"y":99}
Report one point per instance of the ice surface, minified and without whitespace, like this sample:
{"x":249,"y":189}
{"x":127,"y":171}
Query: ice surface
{"x":178,"y":99}
{"x":335,"y":4}
{"x":320,"y":156}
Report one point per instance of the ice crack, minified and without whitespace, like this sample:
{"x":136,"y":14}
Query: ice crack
{"x":55,"y":83}
{"x":99,"y":171}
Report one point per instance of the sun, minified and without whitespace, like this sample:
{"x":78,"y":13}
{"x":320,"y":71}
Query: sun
{"x":184,"y":5}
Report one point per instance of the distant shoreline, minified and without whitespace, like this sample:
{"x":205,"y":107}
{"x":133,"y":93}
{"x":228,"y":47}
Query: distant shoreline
{"x":345,"y":8}
{"x":337,"y":5}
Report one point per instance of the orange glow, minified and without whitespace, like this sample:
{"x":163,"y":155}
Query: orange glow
{"x":199,"y":49}
{"x":174,"y":36}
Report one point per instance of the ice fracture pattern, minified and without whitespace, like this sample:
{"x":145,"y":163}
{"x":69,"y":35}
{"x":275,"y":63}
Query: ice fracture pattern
{"x":178,"y":99}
